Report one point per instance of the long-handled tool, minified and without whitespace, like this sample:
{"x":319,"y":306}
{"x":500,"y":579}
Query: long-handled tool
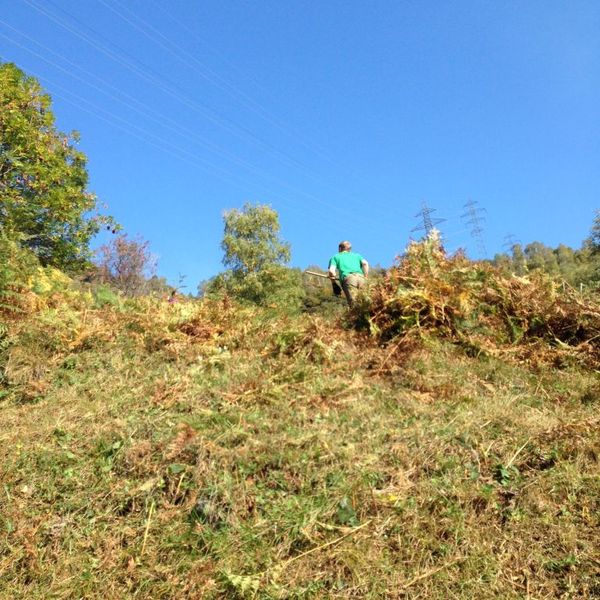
{"x":336,"y":287}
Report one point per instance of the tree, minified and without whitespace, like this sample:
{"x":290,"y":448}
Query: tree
{"x":159,"y":287}
{"x":17,"y":266}
{"x":251,"y":239}
{"x":594,"y":239}
{"x":518,"y":260}
{"x":257,"y":258}
{"x":503,"y":262}
{"x":127,"y":264}
{"x":44,"y":203}
{"x":539,"y":256}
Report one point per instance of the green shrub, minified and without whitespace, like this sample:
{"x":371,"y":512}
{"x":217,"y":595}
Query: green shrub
{"x":105,"y":296}
{"x":273,"y":286}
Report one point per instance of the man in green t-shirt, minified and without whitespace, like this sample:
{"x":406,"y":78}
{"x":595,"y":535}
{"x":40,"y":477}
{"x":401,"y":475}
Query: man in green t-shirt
{"x":351,"y":268}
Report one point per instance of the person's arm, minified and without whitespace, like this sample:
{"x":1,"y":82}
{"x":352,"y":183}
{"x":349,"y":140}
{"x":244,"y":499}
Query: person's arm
{"x":332,"y":271}
{"x":364,"y":265}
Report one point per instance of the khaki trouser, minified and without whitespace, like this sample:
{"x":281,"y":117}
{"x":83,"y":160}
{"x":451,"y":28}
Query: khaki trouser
{"x":351,"y":284}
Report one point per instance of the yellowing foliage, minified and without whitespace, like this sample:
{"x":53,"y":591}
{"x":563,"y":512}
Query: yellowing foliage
{"x":477,"y":305}
{"x":46,"y":280}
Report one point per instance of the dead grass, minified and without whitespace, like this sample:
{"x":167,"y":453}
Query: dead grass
{"x":204,"y":450}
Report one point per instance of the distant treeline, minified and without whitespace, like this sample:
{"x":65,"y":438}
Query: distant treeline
{"x":574,"y":266}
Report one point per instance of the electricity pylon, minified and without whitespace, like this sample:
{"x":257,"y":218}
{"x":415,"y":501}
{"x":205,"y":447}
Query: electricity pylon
{"x":429,"y":222}
{"x":474,"y":218}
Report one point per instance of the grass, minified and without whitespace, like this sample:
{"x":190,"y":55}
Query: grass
{"x":203,"y":450}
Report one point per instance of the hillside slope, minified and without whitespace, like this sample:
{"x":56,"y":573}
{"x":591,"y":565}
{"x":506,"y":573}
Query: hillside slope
{"x":207,"y":450}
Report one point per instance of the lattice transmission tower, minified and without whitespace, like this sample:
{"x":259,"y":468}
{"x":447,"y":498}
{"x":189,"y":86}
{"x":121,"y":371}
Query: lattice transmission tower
{"x":474,"y":218}
{"x":510,"y":241}
{"x":428,"y":222}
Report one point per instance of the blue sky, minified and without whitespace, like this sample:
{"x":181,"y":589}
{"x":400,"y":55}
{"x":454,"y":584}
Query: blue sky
{"x":343,"y":115}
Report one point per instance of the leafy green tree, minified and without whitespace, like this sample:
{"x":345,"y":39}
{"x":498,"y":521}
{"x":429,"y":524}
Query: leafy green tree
{"x":256,"y":258}
{"x":588,"y":257}
{"x":251,"y":239}
{"x":518,"y":259}
{"x":44,"y":203}
{"x":159,"y":287}
{"x":503,"y":262}
{"x":565,"y":257}
{"x":16,"y":267}
{"x":540,"y":256}
{"x":587,"y":268}
{"x":594,"y":239}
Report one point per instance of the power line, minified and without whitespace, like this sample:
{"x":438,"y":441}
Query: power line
{"x":152,"y":33}
{"x":165,"y":145}
{"x":450,"y":234}
{"x":144,"y":135}
{"x":155,"y":140}
{"x":142,"y":109}
{"x":156,"y":117}
{"x":202,"y":69}
{"x":212,"y":147}
{"x":222,"y":57}
{"x":149,"y":75}
{"x":169,"y":88}
{"x":171,"y":149}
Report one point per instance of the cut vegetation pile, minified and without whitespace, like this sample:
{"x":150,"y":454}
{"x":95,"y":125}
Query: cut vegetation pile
{"x":208,"y":450}
{"x":484,"y":309}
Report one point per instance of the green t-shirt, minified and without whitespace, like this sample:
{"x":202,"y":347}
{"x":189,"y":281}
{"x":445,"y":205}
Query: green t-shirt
{"x":346,"y":263}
